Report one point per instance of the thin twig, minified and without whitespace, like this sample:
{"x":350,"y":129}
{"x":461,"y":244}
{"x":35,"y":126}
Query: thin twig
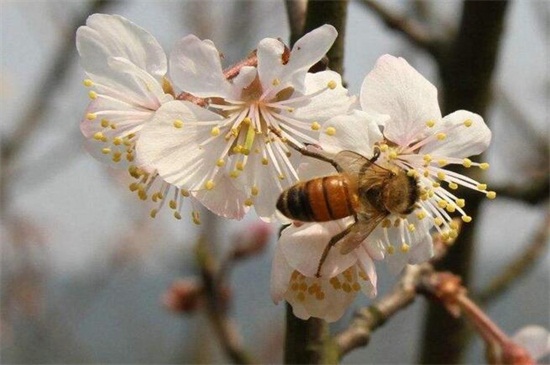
{"x":372,"y":317}
{"x":224,"y":326}
{"x":296,"y":12}
{"x":413,"y":31}
{"x":518,"y":267}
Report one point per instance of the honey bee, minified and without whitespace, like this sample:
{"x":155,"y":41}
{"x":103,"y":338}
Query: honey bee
{"x":362,"y":189}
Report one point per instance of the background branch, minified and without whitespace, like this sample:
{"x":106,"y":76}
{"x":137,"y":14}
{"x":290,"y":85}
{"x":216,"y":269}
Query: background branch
{"x":296,"y":13}
{"x":414,"y":32}
{"x":534,"y":192}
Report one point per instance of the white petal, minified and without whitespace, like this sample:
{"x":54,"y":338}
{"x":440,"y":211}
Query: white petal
{"x":175,"y":152}
{"x":304,"y":245}
{"x":225,"y":200}
{"x":309,"y":50}
{"x":196,"y":68}
{"x":246,"y":75}
{"x":328,"y":104}
{"x":270,"y":63}
{"x":357,"y":132}
{"x":394,"y":88}
{"x":535,"y":339}
{"x":462,"y":141}
{"x":280,"y":275}
{"x":106,"y":36}
{"x":314,"y":168}
{"x":367,"y":265}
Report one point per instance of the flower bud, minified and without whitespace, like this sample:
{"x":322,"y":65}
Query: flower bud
{"x":183,"y":296}
{"x":252,"y":240}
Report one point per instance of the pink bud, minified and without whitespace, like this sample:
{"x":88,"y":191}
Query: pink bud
{"x":183,"y":296}
{"x":252,"y":240}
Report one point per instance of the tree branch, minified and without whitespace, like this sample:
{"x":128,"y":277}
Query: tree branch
{"x":368,"y":319}
{"x":296,"y":12}
{"x":518,"y":267}
{"x":534,"y":192}
{"x":411,"y":30}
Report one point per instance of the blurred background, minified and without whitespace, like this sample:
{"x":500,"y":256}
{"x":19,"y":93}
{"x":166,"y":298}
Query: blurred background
{"x":83,"y":266}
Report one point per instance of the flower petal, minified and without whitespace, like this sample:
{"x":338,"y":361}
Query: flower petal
{"x":195,"y":67}
{"x":304,"y":245}
{"x":367,"y":265}
{"x":535,"y":339}
{"x":225,"y":200}
{"x":280,"y":275}
{"x":270,"y":62}
{"x":395,"y":88}
{"x":461,"y":141}
{"x":106,"y":36}
{"x":357,"y":132}
{"x":175,"y":152}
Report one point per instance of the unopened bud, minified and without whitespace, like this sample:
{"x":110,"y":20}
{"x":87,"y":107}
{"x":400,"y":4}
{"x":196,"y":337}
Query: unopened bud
{"x":252,"y":240}
{"x":183,"y":296}
{"x":508,"y":353}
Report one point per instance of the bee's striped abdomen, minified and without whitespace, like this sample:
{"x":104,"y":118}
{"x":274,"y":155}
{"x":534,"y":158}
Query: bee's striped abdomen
{"x":318,"y":200}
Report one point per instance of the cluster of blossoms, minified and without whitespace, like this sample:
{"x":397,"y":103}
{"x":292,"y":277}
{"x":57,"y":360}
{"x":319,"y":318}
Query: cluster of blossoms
{"x":230,"y":140}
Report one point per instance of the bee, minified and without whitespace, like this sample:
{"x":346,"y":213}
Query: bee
{"x":362,"y":189}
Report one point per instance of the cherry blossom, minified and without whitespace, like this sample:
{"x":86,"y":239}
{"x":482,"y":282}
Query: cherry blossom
{"x":233,"y":152}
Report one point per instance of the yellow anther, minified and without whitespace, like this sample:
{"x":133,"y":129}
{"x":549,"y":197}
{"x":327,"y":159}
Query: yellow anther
{"x":441,"y":175}
{"x":386,"y":223}
{"x":173,"y":204}
{"x":442,"y":204}
{"x":411,"y":173}
{"x":117,"y":141}
{"x":184,"y":193}
{"x":237,"y":149}
{"x":450,"y":208}
{"x":290,"y":110}
{"x":453,"y":186}
{"x":275,"y":82}
{"x":331,"y":131}
{"x":466,"y":218}
{"x":468,"y":122}
{"x":196,"y":217}
{"x":405,"y":248}
{"x":239,"y":166}
{"x":106,"y":150}
{"x":281,"y":176}
{"x":421,"y":215}
{"x":441,"y":136}
{"x":442,"y":162}
{"x":390,"y":250}
{"x":234,"y":132}
{"x":438,"y":221}
{"x":92,"y":95}
{"x":453,"y":225}
{"x":209,"y":185}
{"x":384,"y":147}
{"x":153,"y":213}
{"x":178,"y":123}
{"x":248,"y":202}
{"x":133,"y":186}
{"x":481,"y":186}
{"x":91,"y":116}
{"x":315,"y":126}
{"x":113,"y":126}
{"x":98,"y":136}
{"x":460,"y":203}
{"x":467,"y":162}
{"x":177,"y":215}
{"x":427,"y":158}
{"x":491,"y":194}
{"x":88,"y":83}
{"x":130,"y":157}
{"x":215,"y":131}
{"x":247,"y":121}
{"x":234,"y":174}
{"x":264,"y":161}
{"x":332,"y":84}
{"x":436,"y":185}
{"x":105,"y":123}
{"x":426,"y":173}
{"x":453,"y":233}
{"x":484,"y":165}
{"x":220,"y":162}
{"x":392,"y":155}
{"x":346,"y":287}
{"x":411,"y":227}
{"x":255,"y":191}
{"x":430,"y":123}
{"x":355,"y":286}
{"x":142,"y":194}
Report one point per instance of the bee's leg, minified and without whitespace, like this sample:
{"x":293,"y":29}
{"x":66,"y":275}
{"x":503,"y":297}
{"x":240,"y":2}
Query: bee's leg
{"x":334,"y":240}
{"x":372,"y":160}
{"x":304,"y":151}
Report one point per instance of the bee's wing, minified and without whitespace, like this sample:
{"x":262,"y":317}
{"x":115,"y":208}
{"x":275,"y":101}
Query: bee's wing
{"x":360,"y":230}
{"x":351,"y":162}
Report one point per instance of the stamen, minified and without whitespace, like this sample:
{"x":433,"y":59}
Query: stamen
{"x":466,"y":218}
{"x":331,"y":131}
